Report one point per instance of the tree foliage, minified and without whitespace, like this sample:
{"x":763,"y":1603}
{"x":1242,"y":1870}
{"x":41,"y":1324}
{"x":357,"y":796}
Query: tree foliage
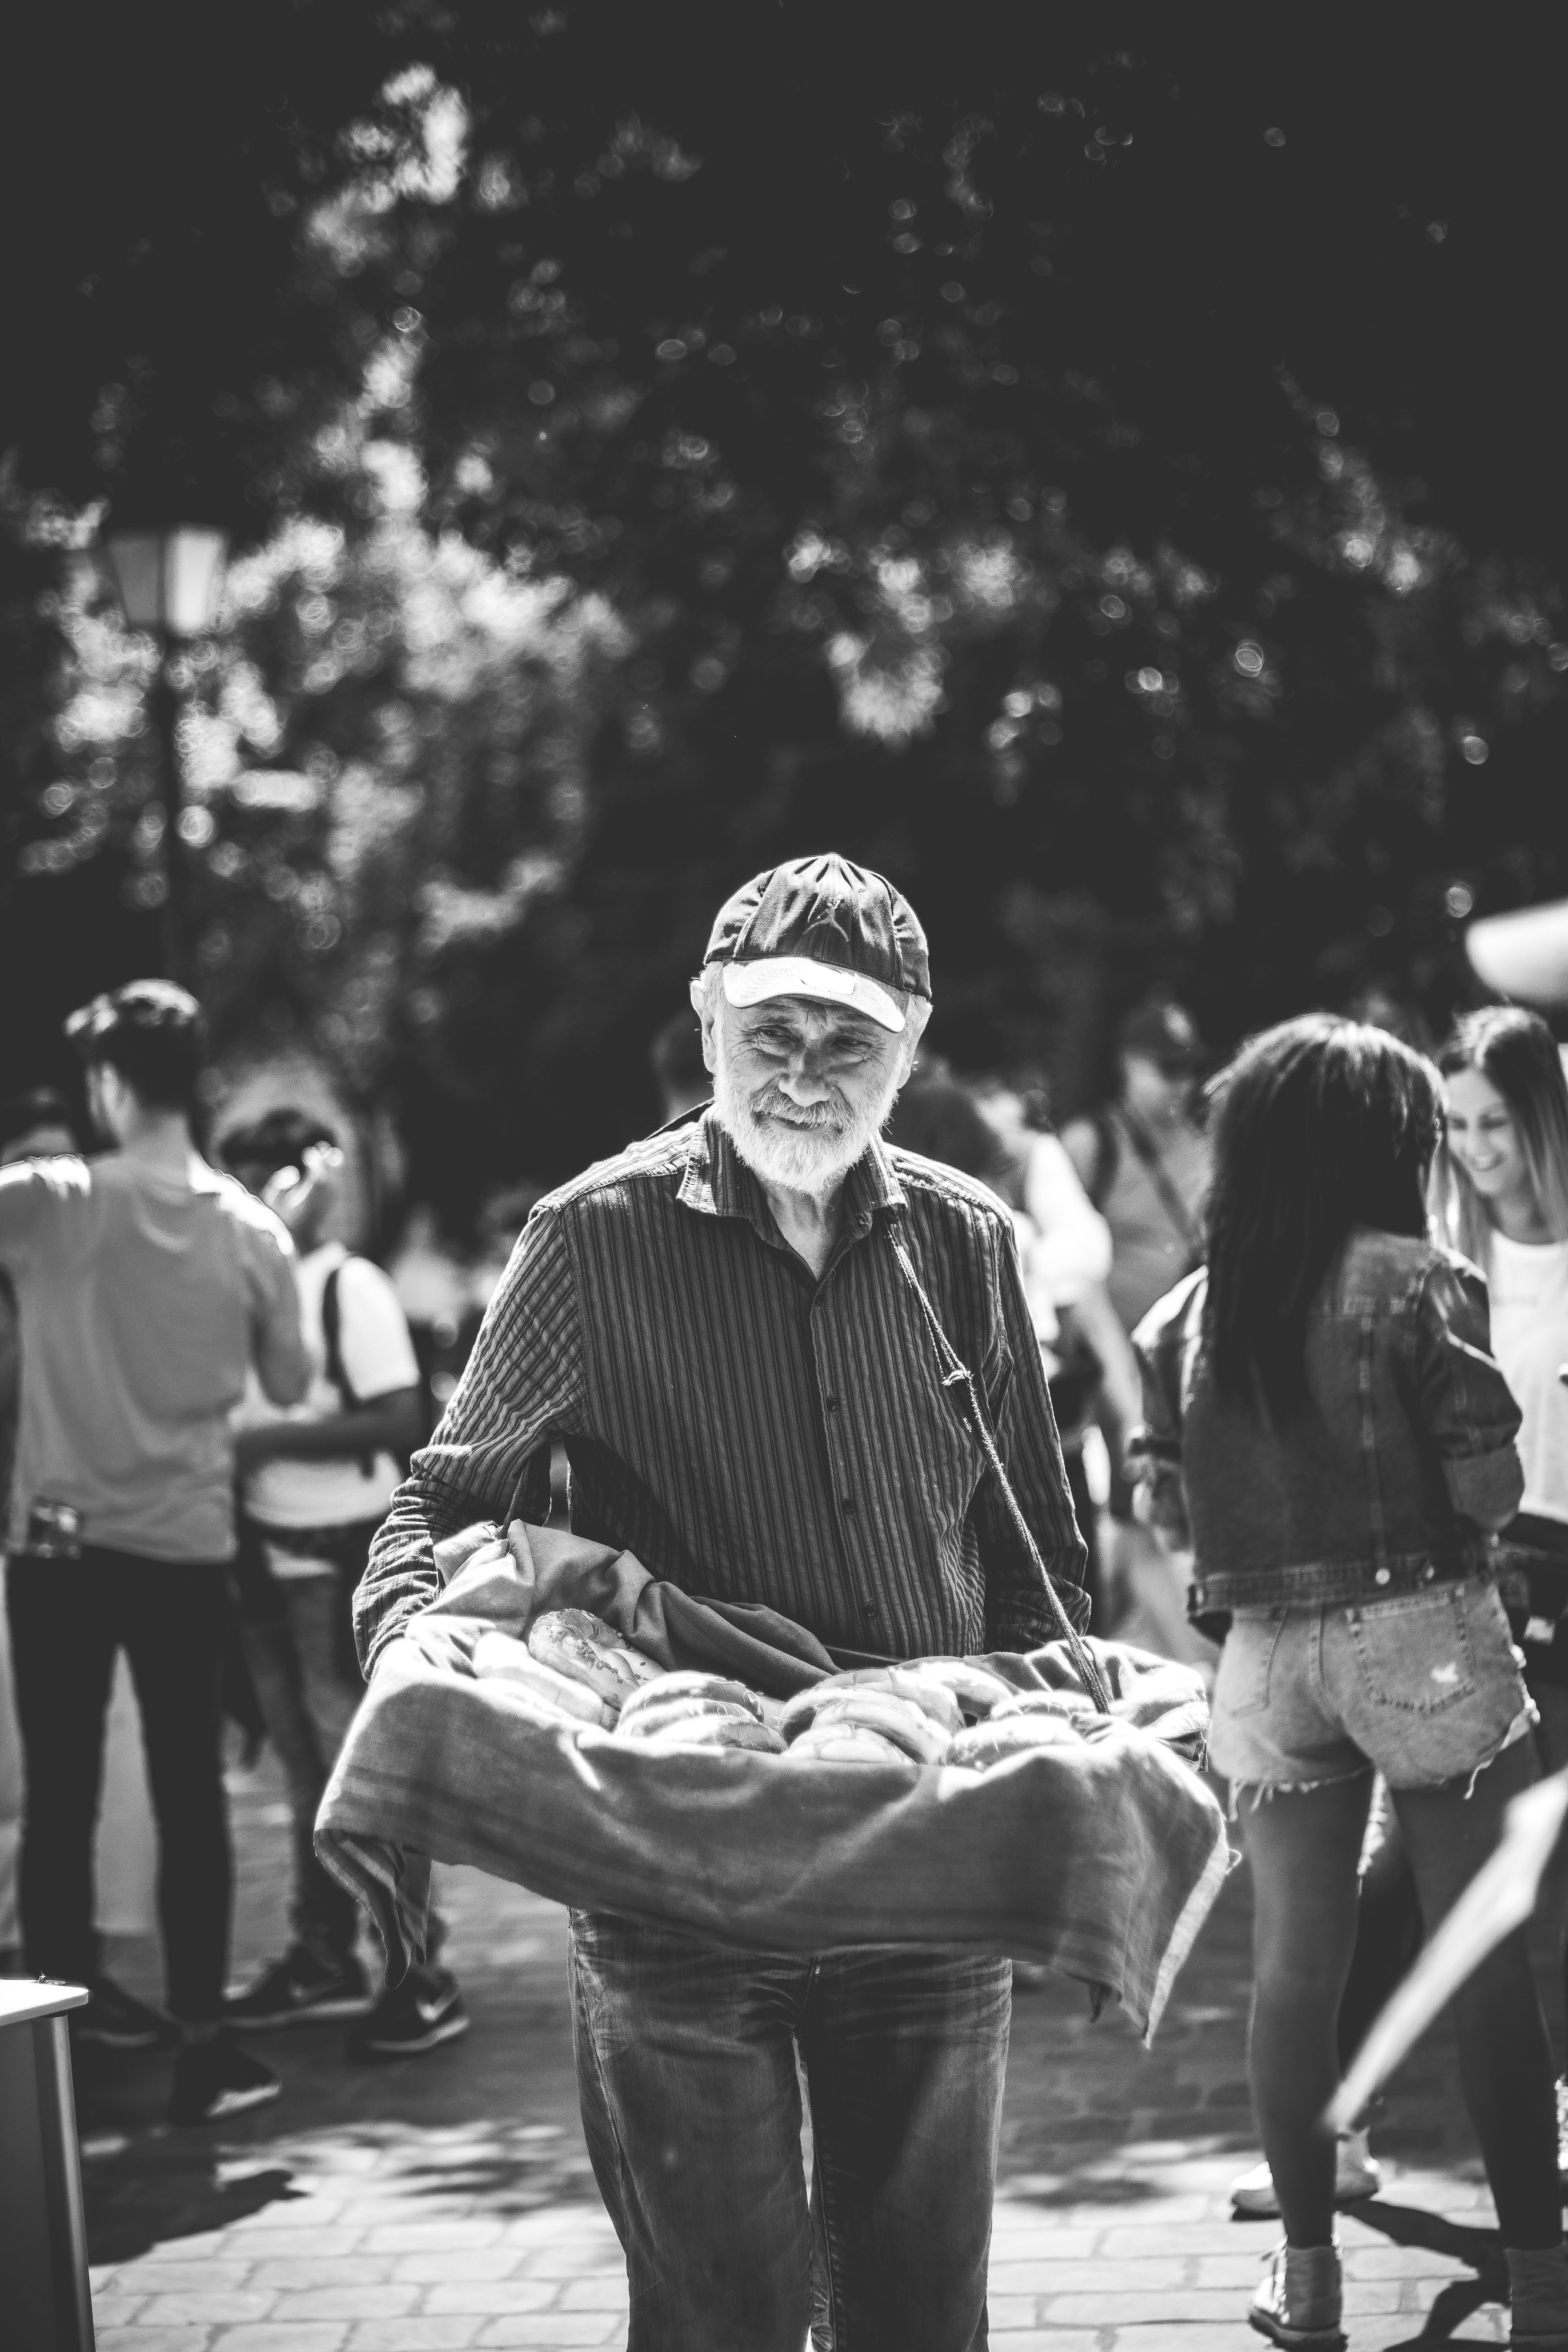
{"x":1108,"y":488}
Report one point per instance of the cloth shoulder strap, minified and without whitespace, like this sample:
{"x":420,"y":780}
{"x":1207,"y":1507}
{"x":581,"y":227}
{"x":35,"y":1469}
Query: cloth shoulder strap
{"x":1175,"y":1207}
{"x":960,"y":1382}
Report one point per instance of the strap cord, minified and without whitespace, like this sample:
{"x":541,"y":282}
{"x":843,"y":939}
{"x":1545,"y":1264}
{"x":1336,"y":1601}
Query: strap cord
{"x":959,"y":1382}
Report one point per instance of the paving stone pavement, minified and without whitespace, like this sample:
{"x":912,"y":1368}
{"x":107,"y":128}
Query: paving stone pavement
{"x":446,"y":2202}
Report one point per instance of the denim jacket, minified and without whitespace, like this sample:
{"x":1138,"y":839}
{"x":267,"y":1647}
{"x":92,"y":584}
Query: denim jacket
{"x":1396,"y":1477}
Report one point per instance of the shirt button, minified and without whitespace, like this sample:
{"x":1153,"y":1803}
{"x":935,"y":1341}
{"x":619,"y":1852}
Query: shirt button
{"x":848,"y":1507}
{"x":871,"y":1609}
{"x":830,"y":1404}
{"x":1381,"y":1577}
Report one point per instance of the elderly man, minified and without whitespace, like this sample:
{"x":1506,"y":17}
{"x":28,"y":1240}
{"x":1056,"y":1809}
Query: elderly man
{"x":718,"y":1328}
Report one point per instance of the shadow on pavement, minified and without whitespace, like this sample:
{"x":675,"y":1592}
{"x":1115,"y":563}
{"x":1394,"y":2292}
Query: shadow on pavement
{"x":150,"y":2190}
{"x":1407,"y":2225}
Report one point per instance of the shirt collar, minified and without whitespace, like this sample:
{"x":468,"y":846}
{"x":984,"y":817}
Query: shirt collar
{"x":717,"y":1182}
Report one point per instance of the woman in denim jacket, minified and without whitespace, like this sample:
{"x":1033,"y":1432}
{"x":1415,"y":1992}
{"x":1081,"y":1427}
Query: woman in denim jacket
{"x":1326,"y":1427}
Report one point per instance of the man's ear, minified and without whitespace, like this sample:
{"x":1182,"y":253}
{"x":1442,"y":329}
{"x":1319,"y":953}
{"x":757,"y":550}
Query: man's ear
{"x":705,"y":1004}
{"x":917,"y":1013}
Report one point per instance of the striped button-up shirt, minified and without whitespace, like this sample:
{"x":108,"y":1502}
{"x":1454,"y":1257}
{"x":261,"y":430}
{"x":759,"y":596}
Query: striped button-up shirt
{"x":748,"y":1430}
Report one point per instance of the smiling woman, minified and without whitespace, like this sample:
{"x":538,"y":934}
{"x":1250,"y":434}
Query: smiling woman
{"x":1505,"y":1168}
{"x":1505,"y":1179}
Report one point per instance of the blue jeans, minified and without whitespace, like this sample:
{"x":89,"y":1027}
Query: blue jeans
{"x":691,"y":2106}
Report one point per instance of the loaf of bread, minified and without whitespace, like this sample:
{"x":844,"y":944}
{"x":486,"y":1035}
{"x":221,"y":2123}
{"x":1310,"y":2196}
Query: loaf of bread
{"x":1070,"y":1706}
{"x":685,"y":1684}
{"x":846,"y":1743}
{"x":872,"y":1704}
{"x":993,"y":1742}
{"x":588,"y":1651}
{"x":647,"y":1722}
{"x":926,"y":1691}
{"x":909,"y":1729}
{"x":976,"y":1689}
{"x":498,"y":1657}
{"x":714,"y":1731}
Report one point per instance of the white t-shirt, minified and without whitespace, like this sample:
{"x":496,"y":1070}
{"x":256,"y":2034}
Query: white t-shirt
{"x":1529,"y":1282}
{"x":377,"y":1357}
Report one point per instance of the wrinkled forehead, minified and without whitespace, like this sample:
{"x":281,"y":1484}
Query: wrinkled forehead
{"x":805,"y":1020}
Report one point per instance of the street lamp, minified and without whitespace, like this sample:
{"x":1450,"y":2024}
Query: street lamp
{"x":168,"y":582}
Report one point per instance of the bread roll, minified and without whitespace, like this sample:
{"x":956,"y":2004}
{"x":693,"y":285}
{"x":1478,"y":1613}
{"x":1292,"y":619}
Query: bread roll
{"x":985,"y":1743}
{"x":588,"y":1651}
{"x":976,"y":1689}
{"x":688,"y":1684}
{"x":843,"y":1743}
{"x":1070,"y":1706}
{"x":647,"y":1722}
{"x":928,"y":1692}
{"x":923,"y":1741}
{"x":637,"y":1671}
{"x":498,"y":1657}
{"x":911,"y":1727}
{"x":733,"y":1730}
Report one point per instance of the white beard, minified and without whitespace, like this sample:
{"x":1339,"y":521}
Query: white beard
{"x":796,"y":1148}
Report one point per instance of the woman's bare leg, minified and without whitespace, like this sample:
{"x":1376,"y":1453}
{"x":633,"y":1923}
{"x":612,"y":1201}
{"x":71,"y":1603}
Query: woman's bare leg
{"x":1505,"y":2059}
{"x":1305,"y":1847}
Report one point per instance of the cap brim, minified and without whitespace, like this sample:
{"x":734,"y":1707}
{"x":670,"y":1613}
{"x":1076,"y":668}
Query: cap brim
{"x":830,"y":983}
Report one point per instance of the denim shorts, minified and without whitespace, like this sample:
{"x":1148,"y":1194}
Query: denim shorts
{"x":1426,"y":1688}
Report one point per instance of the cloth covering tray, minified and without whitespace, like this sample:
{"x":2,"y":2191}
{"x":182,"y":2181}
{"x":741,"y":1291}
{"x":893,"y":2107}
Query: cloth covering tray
{"x":1101,"y":1858}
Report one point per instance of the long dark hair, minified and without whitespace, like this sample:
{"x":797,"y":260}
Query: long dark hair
{"x":1517,"y":1053}
{"x":1319,"y":1126}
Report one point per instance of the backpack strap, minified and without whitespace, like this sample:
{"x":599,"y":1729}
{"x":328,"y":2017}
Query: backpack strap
{"x":1175,"y":1207}
{"x":960,"y":1383}
{"x":1107,"y":1157}
{"x":332,"y":1334}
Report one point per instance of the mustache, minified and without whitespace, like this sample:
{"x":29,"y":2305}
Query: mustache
{"x":773,"y":1104}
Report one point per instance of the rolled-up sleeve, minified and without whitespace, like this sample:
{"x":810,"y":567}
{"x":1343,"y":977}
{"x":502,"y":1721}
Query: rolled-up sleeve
{"x":523,"y":1385}
{"x":1017,"y":1613}
{"x":1465,"y":1403}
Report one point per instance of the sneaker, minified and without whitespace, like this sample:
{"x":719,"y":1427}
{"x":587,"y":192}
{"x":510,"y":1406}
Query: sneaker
{"x":301,"y":1989}
{"x":1298,"y":2302}
{"x":216,"y":2078}
{"x":115,"y":2021}
{"x":1357,"y":2174}
{"x":417,"y":2015}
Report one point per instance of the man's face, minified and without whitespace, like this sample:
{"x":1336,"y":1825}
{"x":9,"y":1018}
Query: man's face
{"x":802,"y":1086}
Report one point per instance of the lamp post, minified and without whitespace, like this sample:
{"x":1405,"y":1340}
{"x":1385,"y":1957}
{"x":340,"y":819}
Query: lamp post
{"x":168,"y":582}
